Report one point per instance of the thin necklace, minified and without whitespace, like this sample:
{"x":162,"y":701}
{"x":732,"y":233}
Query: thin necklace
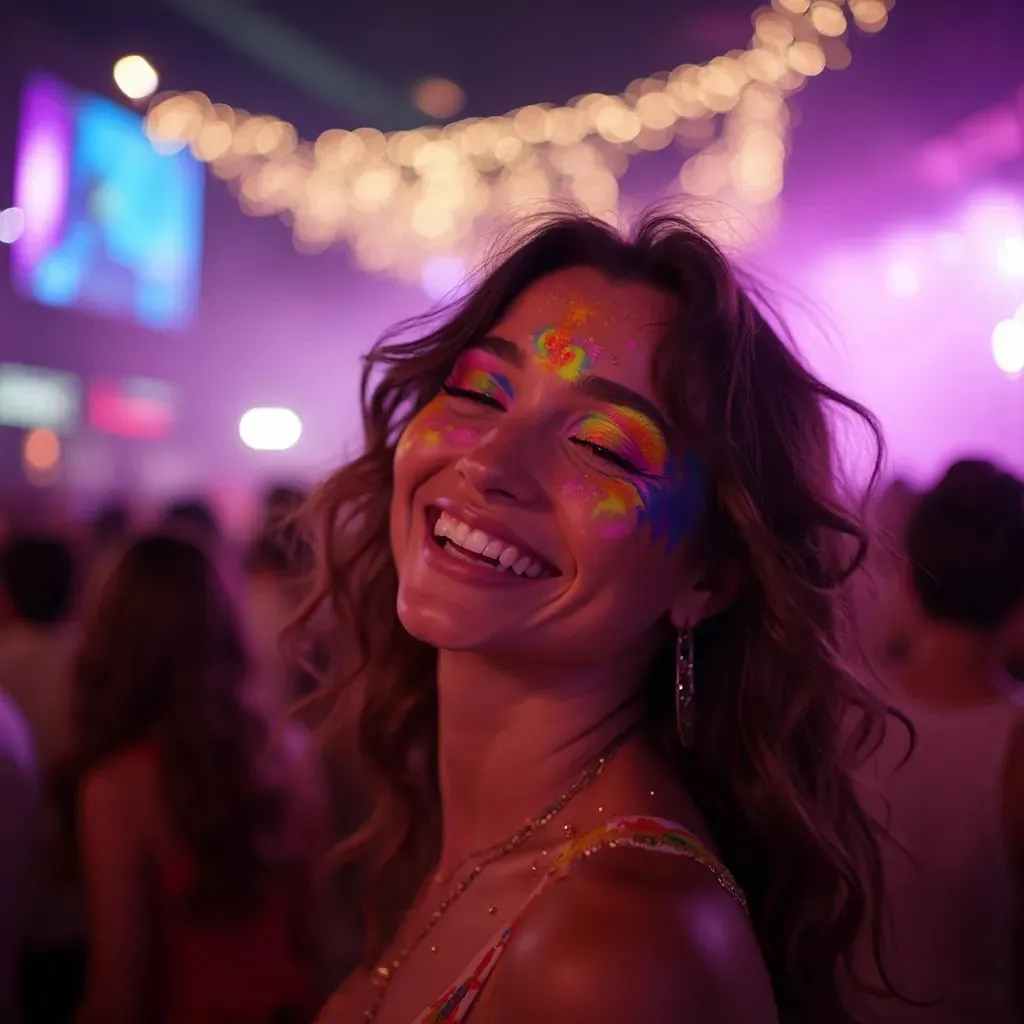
{"x":384,"y":973}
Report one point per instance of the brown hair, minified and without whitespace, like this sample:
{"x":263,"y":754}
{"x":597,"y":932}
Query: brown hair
{"x":163,"y":658}
{"x":771,"y":767}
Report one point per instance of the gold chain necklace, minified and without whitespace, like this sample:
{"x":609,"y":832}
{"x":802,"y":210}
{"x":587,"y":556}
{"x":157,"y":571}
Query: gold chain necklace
{"x":384,"y":973}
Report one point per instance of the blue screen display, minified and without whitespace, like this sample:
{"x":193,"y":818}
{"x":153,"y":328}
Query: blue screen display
{"x":111,"y":225}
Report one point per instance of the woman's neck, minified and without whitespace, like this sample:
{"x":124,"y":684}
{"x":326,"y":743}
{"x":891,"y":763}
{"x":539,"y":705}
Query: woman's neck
{"x":513,"y":738}
{"x":949,"y":664}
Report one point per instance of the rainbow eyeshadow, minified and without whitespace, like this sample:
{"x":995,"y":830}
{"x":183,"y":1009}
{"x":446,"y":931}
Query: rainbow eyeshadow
{"x":628,"y":434}
{"x":478,"y":371}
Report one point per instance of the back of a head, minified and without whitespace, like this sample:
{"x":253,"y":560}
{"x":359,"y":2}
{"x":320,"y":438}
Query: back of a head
{"x":965,"y":546}
{"x":111,"y":525}
{"x":194,"y":518}
{"x":37,"y":573}
{"x":163,"y":658}
{"x":162,"y":637}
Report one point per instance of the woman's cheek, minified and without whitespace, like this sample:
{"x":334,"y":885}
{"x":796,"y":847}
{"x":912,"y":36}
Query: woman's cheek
{"x":433,"y":431}
{"x":607,"y":506}
{"x":666,"y":509}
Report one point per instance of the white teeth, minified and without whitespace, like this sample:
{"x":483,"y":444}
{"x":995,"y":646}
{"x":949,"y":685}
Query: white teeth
{"x":476,"y":542}
{"x":505,"y":555}
{"x":509,"y":556}
{"x":493,"y":550}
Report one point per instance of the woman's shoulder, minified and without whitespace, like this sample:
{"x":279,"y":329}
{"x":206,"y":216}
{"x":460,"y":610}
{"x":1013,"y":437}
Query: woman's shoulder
{"x":132,"y":768}
{"x":630,"y":936}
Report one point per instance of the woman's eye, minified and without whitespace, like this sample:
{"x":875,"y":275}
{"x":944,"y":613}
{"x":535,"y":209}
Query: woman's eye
{"x":604,"y":453}
{"x":472,"y":396}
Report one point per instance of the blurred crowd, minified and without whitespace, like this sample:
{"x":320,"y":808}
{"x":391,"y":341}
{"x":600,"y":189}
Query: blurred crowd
{"x":160,"y":784}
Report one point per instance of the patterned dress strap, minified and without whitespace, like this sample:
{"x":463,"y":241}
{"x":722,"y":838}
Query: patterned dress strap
{"x":657,"y":835}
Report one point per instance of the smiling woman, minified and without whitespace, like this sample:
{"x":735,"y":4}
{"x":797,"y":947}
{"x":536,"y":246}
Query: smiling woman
{"x":593,"y":553}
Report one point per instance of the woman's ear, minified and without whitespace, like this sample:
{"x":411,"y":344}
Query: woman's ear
{"x":710,"y":592}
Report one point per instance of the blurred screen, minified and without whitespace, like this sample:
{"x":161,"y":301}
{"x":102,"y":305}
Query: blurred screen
{"x":31,"y":397}
{"x":132,"y":407}
{"x":111,"y":225}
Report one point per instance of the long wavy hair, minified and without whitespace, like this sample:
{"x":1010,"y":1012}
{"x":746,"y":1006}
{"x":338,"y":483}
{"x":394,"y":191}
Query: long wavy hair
{"x":163,"y":658}
{"x":783,"y":717}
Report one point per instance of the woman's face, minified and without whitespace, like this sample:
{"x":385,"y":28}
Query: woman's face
{"x":541,"y":505}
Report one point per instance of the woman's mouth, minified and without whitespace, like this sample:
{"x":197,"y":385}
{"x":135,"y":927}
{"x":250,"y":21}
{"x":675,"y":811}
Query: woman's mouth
{"x":462,"y":541}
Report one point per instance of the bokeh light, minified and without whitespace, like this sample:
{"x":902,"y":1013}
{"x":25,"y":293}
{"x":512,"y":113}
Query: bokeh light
{"x":12,"y":224}
{"x":136,"y":77}
{"x":902,"y":278}
{"x":1008,"y":345}
{"x":270,"y":429}
{"x":405,"y":199}
{"x":442,"y":275}
{"x":1010,"y":257}
{"x":439,"y":98}
{"x":40,"y":454}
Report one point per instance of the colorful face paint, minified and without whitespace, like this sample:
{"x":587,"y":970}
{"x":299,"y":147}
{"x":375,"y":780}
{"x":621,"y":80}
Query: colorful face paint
{"x":669,"y":505}
{"x":561,"y":350}
{"x":627,"y":434}
{"x":431,"y":427}
{"x":480,"y":373}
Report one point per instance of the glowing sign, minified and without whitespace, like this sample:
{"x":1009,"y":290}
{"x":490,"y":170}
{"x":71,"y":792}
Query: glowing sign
{"x":110,"y":225}
{"x":31,"y":397}
{"x":132,"y":407}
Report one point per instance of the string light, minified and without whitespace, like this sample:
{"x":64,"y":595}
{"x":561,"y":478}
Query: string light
{"x":404,"y":199}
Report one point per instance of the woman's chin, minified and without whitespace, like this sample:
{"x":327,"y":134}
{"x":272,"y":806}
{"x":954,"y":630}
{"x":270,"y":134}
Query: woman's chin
{"x":444,"y":624}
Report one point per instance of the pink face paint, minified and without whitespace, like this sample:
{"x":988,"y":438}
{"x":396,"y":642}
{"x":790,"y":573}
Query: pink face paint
{"x":432,"y":427}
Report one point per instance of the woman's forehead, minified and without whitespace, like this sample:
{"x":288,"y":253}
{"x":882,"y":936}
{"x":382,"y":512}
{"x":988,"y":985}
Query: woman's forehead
{"x":605,"y":305}
{"x":617,"y":323}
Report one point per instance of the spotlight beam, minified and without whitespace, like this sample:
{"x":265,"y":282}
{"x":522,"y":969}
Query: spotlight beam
{"x":295,"y":57}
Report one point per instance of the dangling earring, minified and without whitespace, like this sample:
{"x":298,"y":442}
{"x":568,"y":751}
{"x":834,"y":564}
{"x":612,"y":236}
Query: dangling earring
{"x":685,"y":709}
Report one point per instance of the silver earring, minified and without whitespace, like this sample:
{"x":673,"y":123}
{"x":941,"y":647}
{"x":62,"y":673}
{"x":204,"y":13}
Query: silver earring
{"x":685,"y":710}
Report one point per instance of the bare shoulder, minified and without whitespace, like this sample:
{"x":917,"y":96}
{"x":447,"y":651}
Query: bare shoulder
{"x":634,"y":935}
{"x":120,"y":789}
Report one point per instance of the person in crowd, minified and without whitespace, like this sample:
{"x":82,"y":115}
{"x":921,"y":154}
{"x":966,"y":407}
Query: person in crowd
{"x":37,"y":592}
{"x":952,"y":804}
{"x":890,"y":615}
{"x":19,"y":796}
{"x":194,"y":517}
{"x":199,"y":824}
{"x":594,"y":550}
{"x":278,"y":567}
{"x":110,"y":527}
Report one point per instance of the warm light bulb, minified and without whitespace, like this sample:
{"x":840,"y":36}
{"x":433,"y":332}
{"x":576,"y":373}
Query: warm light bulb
{"x":136,"y":77}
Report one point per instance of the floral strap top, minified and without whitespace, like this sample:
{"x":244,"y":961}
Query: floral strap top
{"x":644,"y":833}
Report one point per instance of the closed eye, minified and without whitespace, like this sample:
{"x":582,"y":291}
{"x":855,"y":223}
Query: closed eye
{"x":604,"y":453}
{"x":472,"y":396}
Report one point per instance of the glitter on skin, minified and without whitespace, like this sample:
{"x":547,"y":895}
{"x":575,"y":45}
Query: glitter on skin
{"x":561,"y":351}
{"x":670,"y":507}
{"x":429,"y":427}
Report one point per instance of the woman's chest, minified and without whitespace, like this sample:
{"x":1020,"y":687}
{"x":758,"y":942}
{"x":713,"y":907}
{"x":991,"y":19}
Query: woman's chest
{"x":445,"y":950}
